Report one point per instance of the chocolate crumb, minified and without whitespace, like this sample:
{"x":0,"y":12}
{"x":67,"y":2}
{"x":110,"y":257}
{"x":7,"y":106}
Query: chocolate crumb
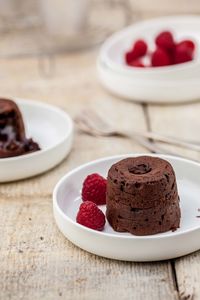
{"x":41,"y":238}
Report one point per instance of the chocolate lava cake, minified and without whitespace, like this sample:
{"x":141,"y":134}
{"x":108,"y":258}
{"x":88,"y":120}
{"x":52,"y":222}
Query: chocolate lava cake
{"x":142,"y":196}
{"x":13,"y":141}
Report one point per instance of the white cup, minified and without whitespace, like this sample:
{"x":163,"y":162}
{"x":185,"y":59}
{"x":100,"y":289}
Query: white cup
{"x":64,"y":17}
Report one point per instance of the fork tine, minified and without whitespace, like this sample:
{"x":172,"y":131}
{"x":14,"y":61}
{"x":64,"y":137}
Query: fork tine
{"x":100,"y":122}
{"x":87,"y":126}
{"x":86,"y":129}
{"x":94,"y":121}
{"x":90,"y":123}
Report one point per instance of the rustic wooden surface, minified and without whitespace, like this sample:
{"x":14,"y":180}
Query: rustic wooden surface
{"x":37,"y":262}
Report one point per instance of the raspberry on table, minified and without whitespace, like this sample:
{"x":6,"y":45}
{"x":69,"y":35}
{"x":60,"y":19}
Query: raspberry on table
{"x":165,"y":40}
{"x":160,"y":58}
{"x":91,"y":216}
{"x":94,"y":189}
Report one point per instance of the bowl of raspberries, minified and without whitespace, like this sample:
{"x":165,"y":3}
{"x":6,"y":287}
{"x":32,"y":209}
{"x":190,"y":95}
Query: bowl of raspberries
{"x":156,"y":60}
{"x":167,"y":52}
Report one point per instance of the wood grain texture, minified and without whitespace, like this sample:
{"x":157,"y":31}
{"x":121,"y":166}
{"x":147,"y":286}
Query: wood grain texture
{"x":181,"y":121}
{"x":74,"y":87}
{"x":37,"y":262}
{"x":188,"y":270}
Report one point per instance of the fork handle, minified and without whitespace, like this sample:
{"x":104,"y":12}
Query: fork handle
{"x":168,"y":140}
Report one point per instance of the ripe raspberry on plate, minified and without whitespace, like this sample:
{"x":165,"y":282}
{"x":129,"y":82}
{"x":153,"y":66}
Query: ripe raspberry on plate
{"x":165,"y":40}
{"x":186,"y":45}
{"x":184,"y":51}
{"x":139,"y":50}
{"x":167,"y":51}
{"x":91,"y":216}
{"x":160,"y":58}
{"x":94,"y":189}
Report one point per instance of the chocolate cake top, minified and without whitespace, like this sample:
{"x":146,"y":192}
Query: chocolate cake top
{"x":134,"y":172}
{"x":141,"y":168}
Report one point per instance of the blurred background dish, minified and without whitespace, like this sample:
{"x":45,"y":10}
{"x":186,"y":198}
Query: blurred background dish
{"x":151,"y":84}
{"x":183,"y":27}
{"x":52,"y":128}
{"x":148,"y":90}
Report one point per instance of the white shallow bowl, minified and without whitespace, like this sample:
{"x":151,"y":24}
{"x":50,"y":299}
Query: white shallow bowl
{"x":52,"y":129}
{"x":183,"y":27}
{"x":124,"y":246}
{"x":148,"y":90}
{"x":111,"y":61}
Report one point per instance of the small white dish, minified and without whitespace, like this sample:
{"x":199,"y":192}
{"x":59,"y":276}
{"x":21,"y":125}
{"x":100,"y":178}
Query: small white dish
{"x":183,"y":27}
{"x":52,"y":129}
{"x":124,"y":246}
{"x":148,"y":90}
{"x":111,"y":63}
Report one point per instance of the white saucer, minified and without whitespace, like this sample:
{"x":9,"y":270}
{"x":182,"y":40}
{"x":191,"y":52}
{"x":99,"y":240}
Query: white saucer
{"x":148,"y":90}
{"x":52,"y":129}
{"x":159,"y":85}
{"x":124,"y":246}
{"x":183,"y":27}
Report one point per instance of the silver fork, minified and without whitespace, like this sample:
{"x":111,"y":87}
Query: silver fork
{"x":91,"y":123}
{"x":85,"y":124}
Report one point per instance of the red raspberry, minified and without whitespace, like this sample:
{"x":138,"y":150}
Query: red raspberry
{"x":165,"y":40}
{"x":182,"y":55}
{"x":160,"y":58}
{"x":139,"y":49}
{"x":137,"y":63}
{"x":187,"y":45}
{"x":94,"y":189}
{"x":129,"y":57}
{"x":91,"y":216}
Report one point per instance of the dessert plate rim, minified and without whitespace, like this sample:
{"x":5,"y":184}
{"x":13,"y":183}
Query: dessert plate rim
{"x":49,"y":126}
{"x":22,"y":101}
{"x":120,"y":236}
{"x":120,"y":79}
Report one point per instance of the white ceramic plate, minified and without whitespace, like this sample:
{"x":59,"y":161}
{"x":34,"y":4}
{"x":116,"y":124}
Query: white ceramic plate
{"x":52,"y":129}
{"x":124,"y":246}
{"x":111,"y":63}
{"x":183,"y":27}
{"x":148,"y":90}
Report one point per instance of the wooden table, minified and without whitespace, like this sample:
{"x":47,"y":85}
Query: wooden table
{"x":37,"y":262}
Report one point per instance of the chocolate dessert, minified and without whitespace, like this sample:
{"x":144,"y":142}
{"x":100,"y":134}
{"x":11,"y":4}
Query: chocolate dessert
{"x":13,"y":141}
{"x":142,"y":196}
